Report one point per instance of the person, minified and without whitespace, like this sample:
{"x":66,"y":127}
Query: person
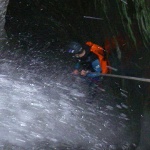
{"x":91,"y":62}
{"x":91,"y":56}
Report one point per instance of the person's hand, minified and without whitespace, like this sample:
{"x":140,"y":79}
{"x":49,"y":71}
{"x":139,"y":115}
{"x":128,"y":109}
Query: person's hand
{"x":83,"y":73}
{"x":75,"y":72}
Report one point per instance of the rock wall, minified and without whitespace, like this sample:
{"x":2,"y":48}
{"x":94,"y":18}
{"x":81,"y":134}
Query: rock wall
{"x":3,"y":9}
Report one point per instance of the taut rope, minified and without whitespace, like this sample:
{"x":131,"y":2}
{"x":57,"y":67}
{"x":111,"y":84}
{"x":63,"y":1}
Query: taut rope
{"x":127,"y":77}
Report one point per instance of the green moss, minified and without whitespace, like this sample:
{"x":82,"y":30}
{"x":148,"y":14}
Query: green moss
{"x":143,"y":19}
{"x":128,"y":24}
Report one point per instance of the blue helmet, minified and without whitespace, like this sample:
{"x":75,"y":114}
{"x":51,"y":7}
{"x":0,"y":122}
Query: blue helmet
{"x":74,"y":48}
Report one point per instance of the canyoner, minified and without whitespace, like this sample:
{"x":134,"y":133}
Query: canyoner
{"x":90,"y":62}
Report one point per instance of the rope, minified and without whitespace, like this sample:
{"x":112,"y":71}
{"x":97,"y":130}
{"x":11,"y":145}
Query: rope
{"x":127,"y":77}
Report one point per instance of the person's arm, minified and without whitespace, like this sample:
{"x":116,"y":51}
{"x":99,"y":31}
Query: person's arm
{"x":77,"y":65}
{"x":93,"y":74}
{"x":90,"y":74}
{"x":76,"y":68}
{"x":97,"y":70}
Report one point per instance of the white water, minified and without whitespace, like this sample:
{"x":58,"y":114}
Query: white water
{"x":47,"y":114}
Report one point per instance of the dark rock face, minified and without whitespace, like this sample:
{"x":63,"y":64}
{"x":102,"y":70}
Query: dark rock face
{"x":3,"y":9}
{"x":121,"y":26}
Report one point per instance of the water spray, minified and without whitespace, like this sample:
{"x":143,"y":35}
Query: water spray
{"x":89,"y":17}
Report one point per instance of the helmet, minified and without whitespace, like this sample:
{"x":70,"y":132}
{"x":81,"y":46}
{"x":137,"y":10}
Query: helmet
{"x":74,"y":48}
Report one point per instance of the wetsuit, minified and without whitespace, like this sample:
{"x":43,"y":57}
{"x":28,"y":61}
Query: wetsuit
{"x":89,"y":62}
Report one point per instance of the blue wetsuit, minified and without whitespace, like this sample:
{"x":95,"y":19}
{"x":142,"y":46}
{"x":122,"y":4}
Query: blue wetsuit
{"x":89,"y":62}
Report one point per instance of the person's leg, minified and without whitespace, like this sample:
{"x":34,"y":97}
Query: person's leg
{"x":91,"y":92}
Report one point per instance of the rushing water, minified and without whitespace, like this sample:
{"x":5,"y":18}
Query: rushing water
{"x":40,"y":109}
